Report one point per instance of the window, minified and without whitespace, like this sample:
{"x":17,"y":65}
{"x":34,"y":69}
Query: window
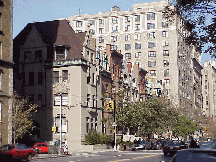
{"x":127,"y":37}
{"x":127,"y":46}
{"x":165,"y":52}
{"x":151,"y":16}
{"x":31,"y":99}
{"x":92,"y":31}
{"x":101,"y":21}
{"x":56,"y":76}
{"x":27,"y":56}
{"x":166,"y":72}
{"x":114,"y":29}
{"x":1,"y":80}
{"x":114,"y":38}
{"x":206,"y":102}
{"x":0,"y":112}
{"x":165,"y":24}
{"x":167,"y":92}
{"x":61,"y":53}
{"x":166,"y":62}
{"x":78,"y":31}
{"x":151,"y":35}
{"x":87,"y":124}
{"x":64,"y":75}
{"x":38,"y":56}
{"x":150,"y":25}
{"x":165,"y":43}
{"x":165,"y":34}
{"x":128,"y":55}
{"x":91,"y":22}
{"x":137,"y":54}
{"x":63,"y":99}
{"x":137,"y":36}
{"x":137,"y":45}
{"x":164,"y":15}
{"x":151,"y":63}
{"x":78,"y":23}
{"x":114,"y":20}
{"x":127,"y":28}
{"x":137,"y":17}
{"x":113,"y":47}
{"x":127,"y":19}
{"x":206,"y":87}
{"x":166,"y":81}
{"x":0,"y":22}
{"x":88,"y":99}
{"x":151,"y":44}
{"x":64,"y":124}
{"x":152,"y":72}
{"x":31,"y":78}
{"x":137,"y":26}
{"x":101,"y":39}
{"x":1,"y":50}
{"x":40,"y":100}
{"x":152,"y":54}
{"x":40,"y":77}
{"x":93,"y":78}
{"x":101,"y":30}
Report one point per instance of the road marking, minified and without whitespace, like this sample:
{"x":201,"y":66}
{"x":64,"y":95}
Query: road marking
{"x":140,"y":157}
{"x":144,"y":153}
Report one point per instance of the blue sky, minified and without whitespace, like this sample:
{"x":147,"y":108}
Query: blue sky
{"x":28,"y":11}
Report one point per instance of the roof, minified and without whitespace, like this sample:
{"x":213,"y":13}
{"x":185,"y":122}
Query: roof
{"x":57,"y":32}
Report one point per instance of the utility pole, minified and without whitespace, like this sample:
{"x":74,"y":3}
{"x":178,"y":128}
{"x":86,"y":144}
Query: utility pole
{"x":60,"y":120}
{"x":115,"y":122}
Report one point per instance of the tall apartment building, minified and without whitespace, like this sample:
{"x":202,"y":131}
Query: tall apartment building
{"x":145,"y":36}
{"x":6,"y":71}
{"x":209,"y":89}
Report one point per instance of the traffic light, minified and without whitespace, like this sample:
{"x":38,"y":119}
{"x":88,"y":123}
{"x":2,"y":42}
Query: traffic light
{"x":107,"y":105}
{"x":110,"y":105}
{"x":206,"y":129}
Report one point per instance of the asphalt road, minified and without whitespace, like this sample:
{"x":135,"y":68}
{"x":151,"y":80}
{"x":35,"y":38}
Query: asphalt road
{"x":122,"y":156}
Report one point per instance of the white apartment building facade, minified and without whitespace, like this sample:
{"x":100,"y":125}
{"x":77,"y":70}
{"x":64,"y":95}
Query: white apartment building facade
{"x":209,"y":89}
{"x":145,"y":36}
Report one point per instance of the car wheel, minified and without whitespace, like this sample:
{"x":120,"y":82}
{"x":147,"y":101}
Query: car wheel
{"x":29,"y":157}
{"x":165,"y":153}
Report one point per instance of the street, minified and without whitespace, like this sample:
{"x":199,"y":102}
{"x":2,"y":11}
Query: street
{"x":136,"y":156}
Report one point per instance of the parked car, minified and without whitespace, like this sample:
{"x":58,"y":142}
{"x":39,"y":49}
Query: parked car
{"x":172,"y":147}
{"x":41,"y":148}
{"x":16,"y":151}
{"x":206,"y":144}
{"x":195,"y":155}
{"x":162,"y":141}
{"x":187,"y":143}
{"x":141,"y":145}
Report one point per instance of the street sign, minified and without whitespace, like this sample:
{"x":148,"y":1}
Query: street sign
{"x":114,"y":125}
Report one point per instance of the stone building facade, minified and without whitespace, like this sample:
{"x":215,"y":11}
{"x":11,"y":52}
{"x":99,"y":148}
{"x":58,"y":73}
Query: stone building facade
{"x":6,"y":71}
{"x":56,"y":68}
{"x":146,"y":36}
{"x":209,"y":89}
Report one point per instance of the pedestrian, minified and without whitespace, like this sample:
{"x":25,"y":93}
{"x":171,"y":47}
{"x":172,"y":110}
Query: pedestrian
{"x":66,"y":147}
{"x":193,"y":143}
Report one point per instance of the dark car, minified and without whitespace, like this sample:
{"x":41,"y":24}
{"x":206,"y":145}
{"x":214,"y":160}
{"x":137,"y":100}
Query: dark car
{"x":141,"y":145}
{"x":195,"y":155}
{"x":171,"y":147}
{"x":156,"y":145}
{"x":16,"y":151}
{"x":206,"y":144}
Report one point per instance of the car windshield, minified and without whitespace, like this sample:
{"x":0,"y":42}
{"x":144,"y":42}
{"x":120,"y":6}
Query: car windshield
{"x":7,"y":147}
{"x":206,"y":144}
{"x":174,"y":143}
{"x":194,"y":156}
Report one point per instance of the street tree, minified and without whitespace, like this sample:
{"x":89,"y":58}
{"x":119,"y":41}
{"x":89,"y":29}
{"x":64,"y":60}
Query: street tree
{"x":199,"y":16}
{"x":22,"y":116}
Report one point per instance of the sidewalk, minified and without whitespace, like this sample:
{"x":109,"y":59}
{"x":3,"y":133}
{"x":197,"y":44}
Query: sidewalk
{"x":75,"y":153}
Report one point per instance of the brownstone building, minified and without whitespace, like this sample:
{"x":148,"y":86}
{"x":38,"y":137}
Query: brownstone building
{"x":6,"y":71}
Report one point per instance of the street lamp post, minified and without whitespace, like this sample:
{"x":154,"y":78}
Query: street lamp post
{"x":115,"y":121}
{"x":60,"y":120}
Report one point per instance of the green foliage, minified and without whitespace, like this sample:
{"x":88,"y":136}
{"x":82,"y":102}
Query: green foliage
{"x":22,"y":116}
{"x":94,"y":137}
{"x":184,"y":126}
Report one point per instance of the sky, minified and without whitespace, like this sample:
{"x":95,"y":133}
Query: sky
{"x":29,"y":11}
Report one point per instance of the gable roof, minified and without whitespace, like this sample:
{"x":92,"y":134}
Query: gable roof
{"x":57,"y":32}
